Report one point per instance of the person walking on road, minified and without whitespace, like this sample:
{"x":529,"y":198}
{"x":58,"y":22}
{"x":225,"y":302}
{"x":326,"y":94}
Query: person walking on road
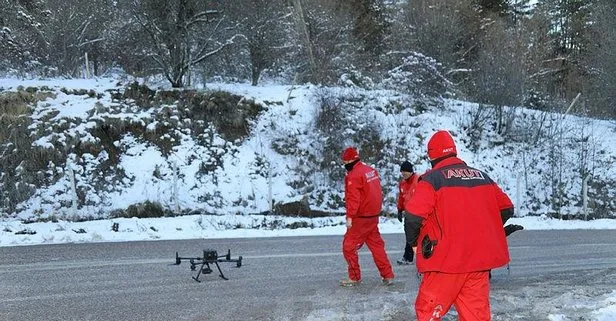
{"x":363,"y":201}
{"x":406,"y":188}
{"x":455,"y":215}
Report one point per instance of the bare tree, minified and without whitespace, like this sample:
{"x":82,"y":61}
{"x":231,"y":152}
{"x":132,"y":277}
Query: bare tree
{"x":326,"y":33}
{"x":370,"y":27}
{"x":76,"y":28}
{"x":23,"y":41}
{"x":445,"y":30}
{"x":499,"y":72}
{"x":181,"y":34}
{"x":302,"y":25}
{"x":265,"y":25}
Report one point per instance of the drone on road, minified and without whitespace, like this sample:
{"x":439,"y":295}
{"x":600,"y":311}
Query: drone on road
{"x":203,"y":262}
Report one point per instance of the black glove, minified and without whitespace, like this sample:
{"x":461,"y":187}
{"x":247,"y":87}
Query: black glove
{"x":512,"y":228}
{"x":400,"y":215}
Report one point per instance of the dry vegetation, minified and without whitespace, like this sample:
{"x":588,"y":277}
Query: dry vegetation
{"x":27,"y":167}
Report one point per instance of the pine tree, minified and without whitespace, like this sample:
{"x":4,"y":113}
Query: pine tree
{"x":499,"y":7}
{"x":570,"y":38}
{"x":601,"y":60}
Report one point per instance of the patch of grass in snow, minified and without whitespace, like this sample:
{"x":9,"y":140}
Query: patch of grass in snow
{"x":82,"y":92}
{"x":146,"y":209}
{"x":230,"y":114}
{"x":19,"y":162}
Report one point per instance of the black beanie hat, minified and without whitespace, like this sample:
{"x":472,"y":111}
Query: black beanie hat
{"x":406,"y":166}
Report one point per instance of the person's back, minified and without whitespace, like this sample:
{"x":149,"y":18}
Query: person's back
{"x":363,"y":191}
{"x":455,"y":216}
{"x":466,"y":232}
{"x":364,"y":199}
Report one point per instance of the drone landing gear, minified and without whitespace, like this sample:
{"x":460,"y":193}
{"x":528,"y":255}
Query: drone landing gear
{"x":205,"y":269}
{"x":209,"y":257}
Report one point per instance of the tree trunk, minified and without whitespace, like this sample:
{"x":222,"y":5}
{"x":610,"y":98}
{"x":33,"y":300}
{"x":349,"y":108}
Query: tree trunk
{"x":302,"y":24}
{"x":257,"y":59}
{"x":256,"y":73}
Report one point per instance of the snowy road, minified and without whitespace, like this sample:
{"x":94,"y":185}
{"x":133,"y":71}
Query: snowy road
{"x":555,"y":275}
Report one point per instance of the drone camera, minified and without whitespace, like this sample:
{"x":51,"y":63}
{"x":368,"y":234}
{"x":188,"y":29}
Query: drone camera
{"x":210,"y":255}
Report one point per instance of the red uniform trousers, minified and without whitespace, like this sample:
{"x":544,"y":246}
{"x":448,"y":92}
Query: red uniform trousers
{"x":365,"y":230}
{"x":468,"y":292}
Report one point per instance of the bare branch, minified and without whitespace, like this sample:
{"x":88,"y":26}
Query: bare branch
{"x":215,"y":51}
{"x":90,"y":42}
{"x":545,"y":72}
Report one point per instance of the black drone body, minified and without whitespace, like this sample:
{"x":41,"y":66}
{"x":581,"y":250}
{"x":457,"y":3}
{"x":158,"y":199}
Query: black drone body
{"x":209,"y":257}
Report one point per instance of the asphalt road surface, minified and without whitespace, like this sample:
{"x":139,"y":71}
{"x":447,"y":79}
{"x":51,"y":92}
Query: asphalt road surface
{"x":290,"y":278}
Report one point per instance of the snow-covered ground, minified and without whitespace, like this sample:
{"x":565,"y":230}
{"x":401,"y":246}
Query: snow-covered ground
{"x":14,"y":233}
{"x":279,"y":159}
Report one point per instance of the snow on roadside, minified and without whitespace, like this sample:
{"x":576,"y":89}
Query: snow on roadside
{"x":221,"y":226}
{"x":607,"y":312}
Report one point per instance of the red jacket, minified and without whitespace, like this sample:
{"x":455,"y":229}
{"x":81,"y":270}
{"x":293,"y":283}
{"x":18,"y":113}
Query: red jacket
{"x":460,"y":207}
{"x":406,"y":189}
{"x":362,"y":191}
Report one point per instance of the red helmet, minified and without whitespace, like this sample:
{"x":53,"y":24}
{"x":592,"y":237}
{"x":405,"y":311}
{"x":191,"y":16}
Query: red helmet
{"x":350,"y":154}
{"x":441,"y":144}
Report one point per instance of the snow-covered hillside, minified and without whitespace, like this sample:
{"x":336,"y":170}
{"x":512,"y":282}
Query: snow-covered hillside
{"x":162,"y":153}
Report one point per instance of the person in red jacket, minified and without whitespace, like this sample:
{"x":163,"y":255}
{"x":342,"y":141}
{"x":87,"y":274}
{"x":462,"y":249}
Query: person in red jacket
{"x":363,"y":198}
{"x":455,"y":216}
{"x":405,"y":190}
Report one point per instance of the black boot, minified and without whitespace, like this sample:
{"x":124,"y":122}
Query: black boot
{"x":509,"y":229}
{"x":407,"y":258}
